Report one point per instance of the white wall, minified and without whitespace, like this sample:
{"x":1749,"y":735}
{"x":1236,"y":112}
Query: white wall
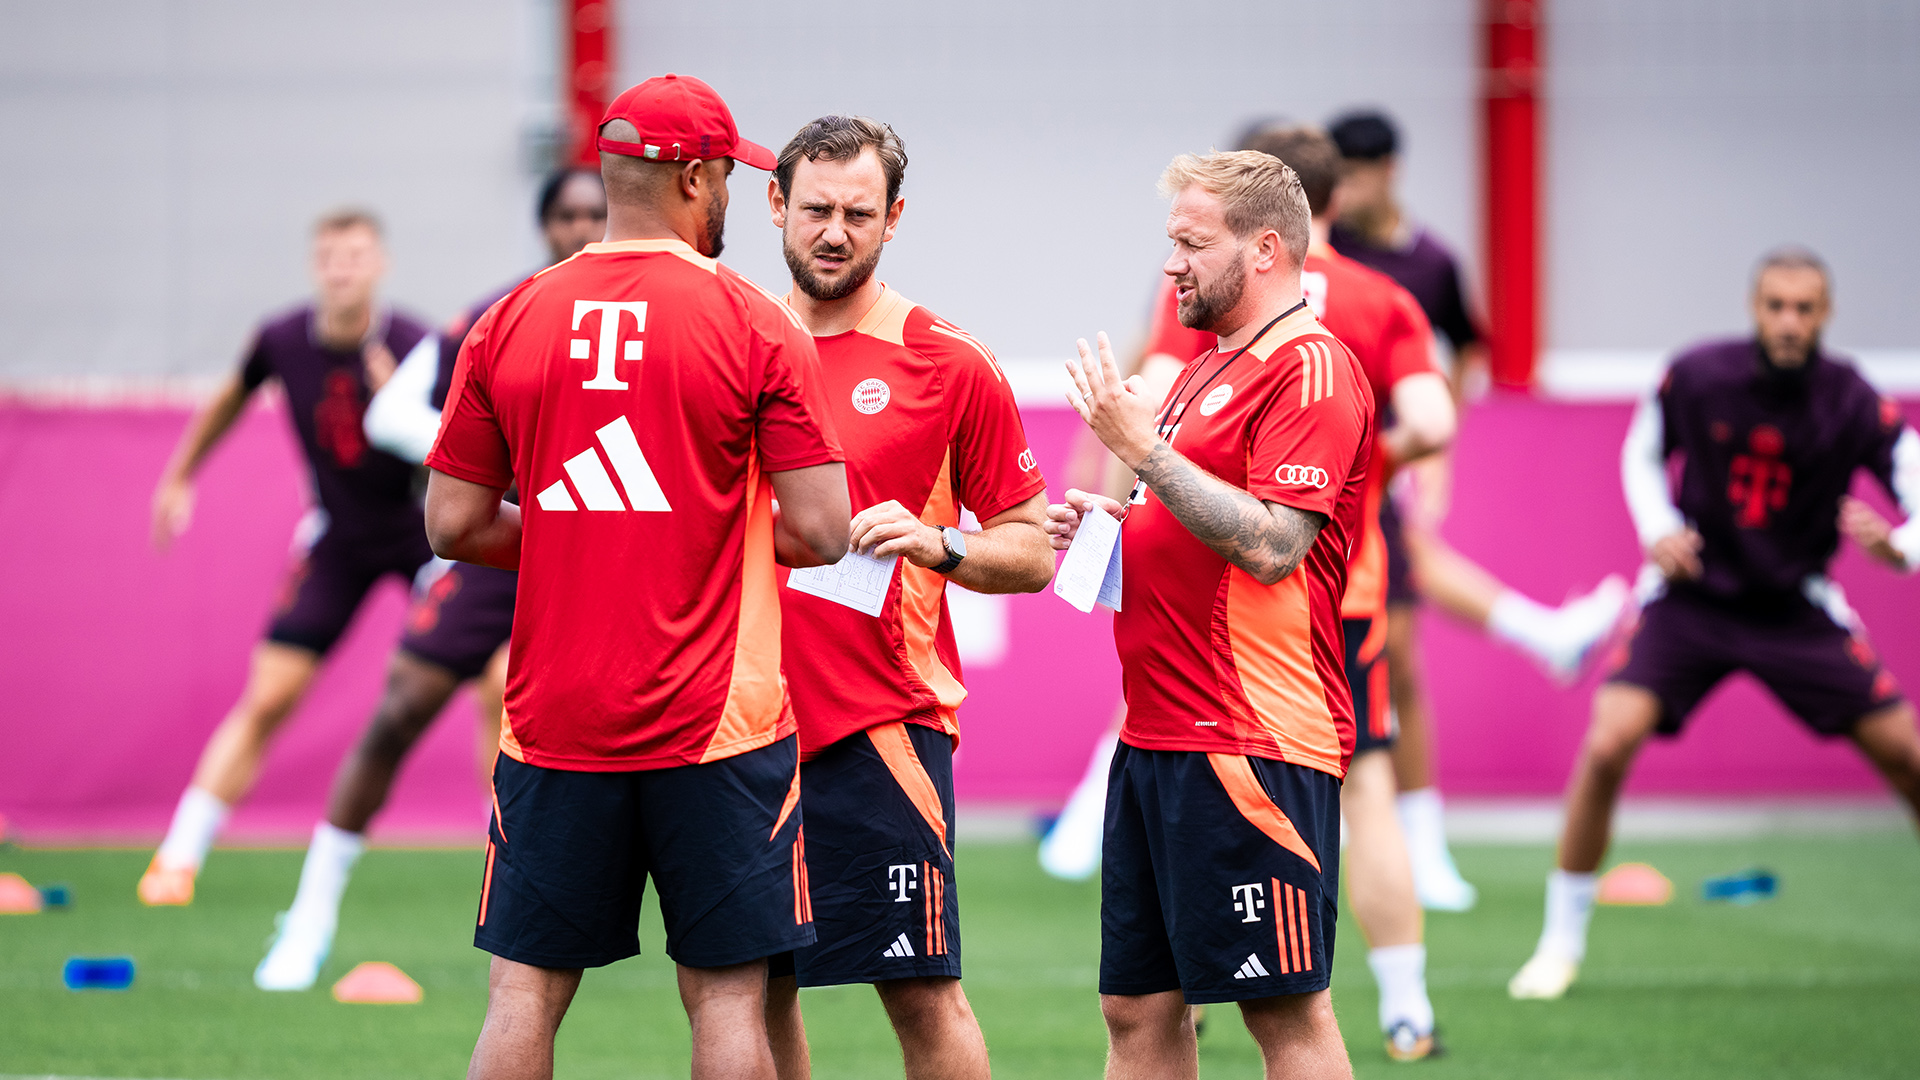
{"x":1688,"y":136}
{"x":1036,"y":131}
{"x":165,"y":158}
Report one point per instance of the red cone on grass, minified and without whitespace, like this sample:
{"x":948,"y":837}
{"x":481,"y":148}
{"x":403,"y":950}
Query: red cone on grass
{"x":376,"y":982}
{"x":1634,"y":884}
{"x":17,"y":897}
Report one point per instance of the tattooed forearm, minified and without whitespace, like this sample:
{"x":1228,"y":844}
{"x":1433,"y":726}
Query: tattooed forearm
{"x":1265,"y":540}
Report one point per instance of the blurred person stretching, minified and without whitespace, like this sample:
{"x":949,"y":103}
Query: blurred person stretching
{"x":929,"y":426}
{"x":456,"y":631}
{"x":1372,"y":229}
{"x":1221,"y":857}
{"x":329,"y":355}
{"x":1770,"y":430}
{"x":651,"y":404}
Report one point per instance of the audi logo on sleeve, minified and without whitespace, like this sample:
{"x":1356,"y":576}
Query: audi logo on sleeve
{"x":1311,"y":476}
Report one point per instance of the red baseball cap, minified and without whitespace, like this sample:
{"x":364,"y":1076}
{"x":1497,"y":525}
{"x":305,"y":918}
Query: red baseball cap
{"x":680,"y":118}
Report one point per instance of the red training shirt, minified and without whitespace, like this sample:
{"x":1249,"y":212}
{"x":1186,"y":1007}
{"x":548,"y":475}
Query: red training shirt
{"x":927,"y":418}
{"x":637,"y":392}
{"x":1382,"y":325}
{"x":1211,"y":659}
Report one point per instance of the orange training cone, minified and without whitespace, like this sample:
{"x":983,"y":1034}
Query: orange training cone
{"x":376,"y":982}
{"x":1634,"y":884}
{"x":17,"y":897}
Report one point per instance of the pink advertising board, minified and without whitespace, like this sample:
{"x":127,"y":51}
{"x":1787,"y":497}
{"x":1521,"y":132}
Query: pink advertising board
{"x":118,"y":661}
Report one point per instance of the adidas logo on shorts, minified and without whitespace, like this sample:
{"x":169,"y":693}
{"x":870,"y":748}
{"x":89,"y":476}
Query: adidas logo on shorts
{"x":903,"y":948}
{"x":596,"y":488}
{"x":1252,"y":969}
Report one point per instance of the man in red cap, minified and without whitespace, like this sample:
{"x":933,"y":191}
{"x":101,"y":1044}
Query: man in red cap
{"x":651,"y":405}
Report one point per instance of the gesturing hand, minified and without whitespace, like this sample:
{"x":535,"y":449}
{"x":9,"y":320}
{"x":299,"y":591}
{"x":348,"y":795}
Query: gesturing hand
{"x":1117,"y":411}
{"x":1063,"y":519}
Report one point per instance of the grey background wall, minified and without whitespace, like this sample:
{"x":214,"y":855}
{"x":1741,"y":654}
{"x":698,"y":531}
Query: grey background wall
{"x":163,"y":158}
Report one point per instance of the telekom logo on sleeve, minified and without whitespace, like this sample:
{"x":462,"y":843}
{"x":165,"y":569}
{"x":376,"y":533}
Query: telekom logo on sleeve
{"x":604,"y":375}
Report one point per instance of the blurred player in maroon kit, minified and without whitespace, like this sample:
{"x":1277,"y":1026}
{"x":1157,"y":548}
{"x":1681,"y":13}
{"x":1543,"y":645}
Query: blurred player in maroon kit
{"x":1770,"y":431}
{"x":329,"y":356}
{"x":652,"y":404}
{"x":456,"y":630}
{"x":1373,"y":229}
{"x":929,"y":425}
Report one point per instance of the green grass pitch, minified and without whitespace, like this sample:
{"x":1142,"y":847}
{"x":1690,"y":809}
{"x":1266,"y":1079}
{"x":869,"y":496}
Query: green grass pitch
{"x":1822,"y":982}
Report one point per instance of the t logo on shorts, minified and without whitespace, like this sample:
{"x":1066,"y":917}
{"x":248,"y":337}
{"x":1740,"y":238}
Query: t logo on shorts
{"x":1248,"y":900}
{"x":902,"y":878}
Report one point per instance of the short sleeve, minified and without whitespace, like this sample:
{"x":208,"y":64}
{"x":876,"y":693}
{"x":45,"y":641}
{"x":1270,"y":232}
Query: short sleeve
{"x":1451,"y":315}
{"x":1889,"y":425}
{"x":1407,"y":343}
{"x":1299,"y":455}
{"x":993,"y":467}
{"x":1166,"y":335}
{"x":256,"y":368}
{"x":471,"y":445}
{"x":793,"y":426}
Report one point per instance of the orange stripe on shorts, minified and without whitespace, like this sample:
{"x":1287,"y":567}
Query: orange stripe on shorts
{"x":486,"y":884}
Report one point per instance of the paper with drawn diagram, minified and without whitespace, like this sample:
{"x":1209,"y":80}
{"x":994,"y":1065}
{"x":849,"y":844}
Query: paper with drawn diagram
{"x":1090,"y":574}
{"x":857,"y":581}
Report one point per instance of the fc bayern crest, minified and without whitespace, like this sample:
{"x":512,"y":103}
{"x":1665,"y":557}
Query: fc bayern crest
{"x":871,"y":396}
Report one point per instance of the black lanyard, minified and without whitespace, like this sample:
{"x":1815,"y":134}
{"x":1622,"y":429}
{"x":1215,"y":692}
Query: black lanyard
{"x":1177,"y":408}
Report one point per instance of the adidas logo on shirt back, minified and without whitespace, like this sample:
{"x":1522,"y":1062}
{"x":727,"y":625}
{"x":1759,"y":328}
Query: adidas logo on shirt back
{"x":1252,"y":969}
{"x":901,"y":947}
{"x":596,"y":488}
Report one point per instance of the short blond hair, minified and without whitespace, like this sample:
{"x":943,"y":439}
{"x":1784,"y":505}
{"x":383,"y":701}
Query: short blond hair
{"x":1256,"y":191}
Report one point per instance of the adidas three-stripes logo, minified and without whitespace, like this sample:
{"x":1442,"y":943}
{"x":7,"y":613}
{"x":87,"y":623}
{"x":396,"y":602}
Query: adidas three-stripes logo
{"x":1252,"y":969}
{"x":1316,"y":372}
{"x":595,"y":487}
{"x":901,"y":947}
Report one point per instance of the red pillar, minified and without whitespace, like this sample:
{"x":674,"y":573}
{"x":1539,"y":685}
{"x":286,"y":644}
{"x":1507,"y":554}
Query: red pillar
{"x":587,"y":39}
{"x":1509,"y":86}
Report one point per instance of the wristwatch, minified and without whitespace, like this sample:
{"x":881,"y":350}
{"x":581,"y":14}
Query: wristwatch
{"x":955,"y":542}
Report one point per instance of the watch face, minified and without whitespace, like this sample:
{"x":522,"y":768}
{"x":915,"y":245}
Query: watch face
{"x":956,"y":541}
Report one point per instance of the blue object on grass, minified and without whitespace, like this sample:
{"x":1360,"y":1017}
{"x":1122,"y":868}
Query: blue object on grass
{"x":98,"y":972}
{"x":56,"y":897}
{"x":1746,"y":887}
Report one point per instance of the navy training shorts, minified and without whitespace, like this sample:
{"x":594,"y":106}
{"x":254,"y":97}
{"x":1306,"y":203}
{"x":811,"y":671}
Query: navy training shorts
{"x":569,"y":854}
{"x":461,"y":619}
{"x":1400,"y":588}
{"x":880,"y":859}
{"x":1684,"y":644}
{"x":1220,"y":876}
{"x":333,"y":576}
{"x":1373,"y":721}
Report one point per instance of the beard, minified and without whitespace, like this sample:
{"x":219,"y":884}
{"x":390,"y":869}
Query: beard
{"x":716,"y":228}
{"x":1208,"y":304}
{"x":854,"y":273}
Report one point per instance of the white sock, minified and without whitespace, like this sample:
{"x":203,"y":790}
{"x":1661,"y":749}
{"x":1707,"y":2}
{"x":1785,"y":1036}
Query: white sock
{"x":323,"y":877}
{"x":1071,"y":850}
{"x":196,"y":821}
{"x":1569,"y":909}
{"x":1401,"y":973}
{"x":1422,"y":820}
{"x":1524,"y":623}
